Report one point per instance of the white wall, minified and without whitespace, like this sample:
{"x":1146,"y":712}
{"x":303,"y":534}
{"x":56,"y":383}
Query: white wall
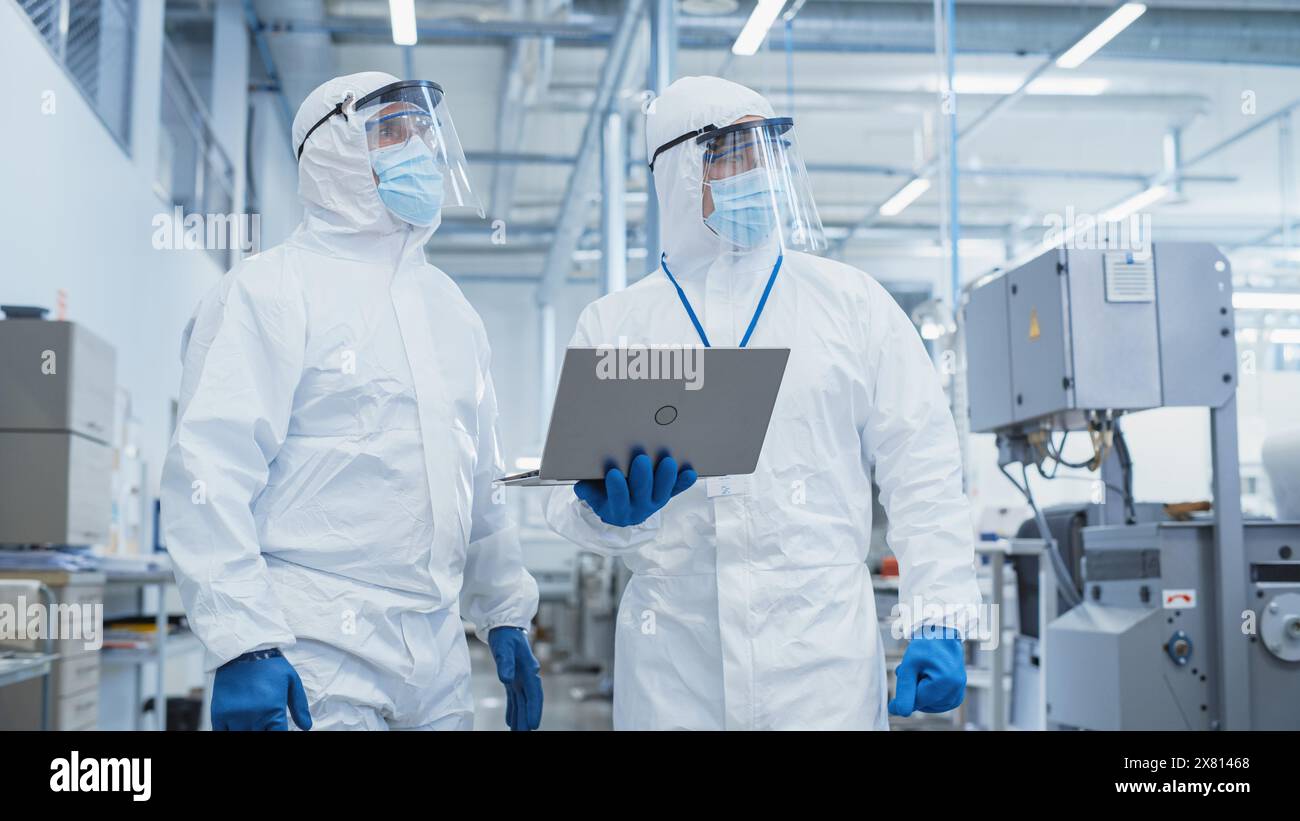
{"x":76,"y":215}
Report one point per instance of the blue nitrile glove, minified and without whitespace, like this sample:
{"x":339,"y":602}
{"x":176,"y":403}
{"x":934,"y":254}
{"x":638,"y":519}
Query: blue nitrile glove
{"x":250,"y":693}
{"x":932,"y":675}
{"x":517,"y":668}
{"x":628,"y":501}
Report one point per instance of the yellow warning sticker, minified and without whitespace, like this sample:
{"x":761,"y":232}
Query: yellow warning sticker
{"x":1034,"y":330}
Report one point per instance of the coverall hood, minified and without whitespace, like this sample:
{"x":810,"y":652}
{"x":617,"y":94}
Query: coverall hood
{"x":688,"y":104}
{"x":342,"y":212}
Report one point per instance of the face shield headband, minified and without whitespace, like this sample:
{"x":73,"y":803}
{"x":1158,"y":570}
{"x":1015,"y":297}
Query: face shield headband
{"x":710,"y":133}
{"x":392,"y":90}
{"x":678,"y":141}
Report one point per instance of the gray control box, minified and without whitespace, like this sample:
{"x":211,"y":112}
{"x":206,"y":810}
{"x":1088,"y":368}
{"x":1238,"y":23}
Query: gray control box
{"x":1075,"y":331}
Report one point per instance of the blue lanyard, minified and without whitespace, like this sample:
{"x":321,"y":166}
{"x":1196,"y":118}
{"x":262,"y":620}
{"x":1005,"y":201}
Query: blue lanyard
{"x":699,"y":329}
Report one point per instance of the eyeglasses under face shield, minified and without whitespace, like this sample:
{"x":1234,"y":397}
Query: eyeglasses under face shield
{"x":753,"y":186}
{"x":398,"y":122}
{"x":408,"y":110}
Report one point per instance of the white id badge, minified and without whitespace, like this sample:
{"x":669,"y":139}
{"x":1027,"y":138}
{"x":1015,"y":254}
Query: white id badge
{"x":729,"y":485}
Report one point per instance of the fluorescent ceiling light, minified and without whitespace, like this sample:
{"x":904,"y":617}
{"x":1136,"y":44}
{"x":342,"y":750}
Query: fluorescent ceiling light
{"x":1265,"y":301}
{"x":1093,"y":41}
{"x":906,"y":195}
{"x":1284,"y":336}
{"x":755,"y":30}
{"x":1135,"y":203}
{"x":1007,"y":84}
{"x":403,"y":14}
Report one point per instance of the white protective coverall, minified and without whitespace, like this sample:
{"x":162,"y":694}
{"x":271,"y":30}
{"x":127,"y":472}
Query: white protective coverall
{"x":328,"y":489}
{"x":755,"y":610}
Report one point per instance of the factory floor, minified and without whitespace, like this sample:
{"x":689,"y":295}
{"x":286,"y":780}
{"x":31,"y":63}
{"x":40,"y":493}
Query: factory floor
{"x":564,"y":708}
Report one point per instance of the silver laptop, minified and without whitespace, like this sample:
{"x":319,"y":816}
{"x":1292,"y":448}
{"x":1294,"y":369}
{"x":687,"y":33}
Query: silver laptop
{"x":708,"y":407}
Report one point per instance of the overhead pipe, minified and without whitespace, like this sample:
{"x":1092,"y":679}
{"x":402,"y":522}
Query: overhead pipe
{"x":945,"y":38}
{"x":613,"y":194}
{"x":1286,"y":176}
{"x":660,"y":72}
{"x":302,"y":61}
{"x":1233,"y":139}
{"x":512,"y":107}
{"x":255,"y":28}
{"x":573,"y":214}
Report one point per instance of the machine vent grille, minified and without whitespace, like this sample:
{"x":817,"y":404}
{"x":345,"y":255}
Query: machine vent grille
{"x":1130,"y":276}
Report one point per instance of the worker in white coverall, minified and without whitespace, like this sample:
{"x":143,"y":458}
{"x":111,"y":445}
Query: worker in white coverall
{"x":750,"y":604}
{"x":327,"y":498}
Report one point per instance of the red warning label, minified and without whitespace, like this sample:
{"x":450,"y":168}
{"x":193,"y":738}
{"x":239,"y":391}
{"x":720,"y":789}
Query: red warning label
{"x":1178,"y":599}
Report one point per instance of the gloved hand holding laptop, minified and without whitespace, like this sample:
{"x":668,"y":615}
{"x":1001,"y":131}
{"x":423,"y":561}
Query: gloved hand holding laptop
{"x":624,"y":500}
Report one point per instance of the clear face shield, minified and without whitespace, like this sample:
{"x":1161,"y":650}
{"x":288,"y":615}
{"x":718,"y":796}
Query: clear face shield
{"x":415,"y":155}
{"x":754,"y":187}
{"x":414,"y":146}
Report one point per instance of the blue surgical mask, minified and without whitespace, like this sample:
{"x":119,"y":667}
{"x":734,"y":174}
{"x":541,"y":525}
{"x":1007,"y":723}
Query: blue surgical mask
{"x":742,"y":208}
{"x":410,"y":183}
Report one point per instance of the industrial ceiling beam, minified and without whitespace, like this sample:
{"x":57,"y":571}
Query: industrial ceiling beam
{"x":1249,"y":36}
{"x":573,"y":213}
{"x":1282,"y":117}
{"x":1238,"y":136}
{"x":865,"y":101}
{"x":511,"y":111}
{"x":541,"y":235}
{"x":659,"y":75}
{"x":579,"y":29}
{"x":880,"y":170}
{"x":1205,"y":35}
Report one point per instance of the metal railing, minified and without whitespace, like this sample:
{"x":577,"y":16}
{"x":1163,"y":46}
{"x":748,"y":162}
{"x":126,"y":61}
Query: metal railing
{"x":94,"y":40}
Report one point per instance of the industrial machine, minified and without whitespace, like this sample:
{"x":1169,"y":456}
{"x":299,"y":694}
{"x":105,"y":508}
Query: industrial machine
{"x":57,"y":383}
{"x":1170,"y":624}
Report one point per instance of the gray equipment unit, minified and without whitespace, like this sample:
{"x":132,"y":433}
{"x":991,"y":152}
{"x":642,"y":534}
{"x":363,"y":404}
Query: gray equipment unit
{"x":1073,"y":332}
{"x":1142,"y":652}
{"x":57,"y":386}
{"x":1075,"y":339}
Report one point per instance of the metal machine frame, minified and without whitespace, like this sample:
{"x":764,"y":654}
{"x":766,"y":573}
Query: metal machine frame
{"x":1043,"y":342}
